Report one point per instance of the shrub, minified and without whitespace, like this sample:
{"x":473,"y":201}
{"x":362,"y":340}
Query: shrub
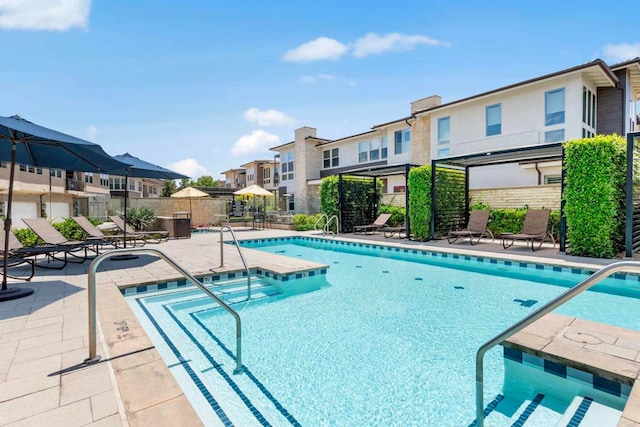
{"x":26,"y":236}
{"x":594,"y":195}
{"x":397,"y":214}
{"x":360,"y":199}
{"x":140,"y":218}
{"x":304,"y":222}
{"x":505,"y":220}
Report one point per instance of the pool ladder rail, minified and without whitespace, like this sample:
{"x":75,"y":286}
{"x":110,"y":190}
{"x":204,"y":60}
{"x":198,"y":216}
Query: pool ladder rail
{"x":237,"y":245}
{"x":598,"y":276}
{"x":91,"y":291}
{"x":327,"y":224}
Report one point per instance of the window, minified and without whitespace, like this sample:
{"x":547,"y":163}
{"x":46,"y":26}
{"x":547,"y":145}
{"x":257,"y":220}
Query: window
{"x":104,"y":180}
{"x":23,"y":168}
{"x":251,"y":175}
{"x":140,"y":186}
{"x":554,"y":135}
{"x":32,"y":169}
{"x":88,"y":177}
{"x":56,"y":173}
{"x":266,"y":175}
{"x":443,"y":130}
{"x":494,"y":119}
{"x":3,"y":164}
{"x":444,"y":152}
{"x":363,"y":151}
{"x":554,"y":107}
{"x":402,"y":141}
{"x":586,"y":133}
{"x":552,"y":179}
{"x":383,"y":147}
{"x":330,"y":158}
{"x":287,"y":165}
{"x":132,"y":185}
{"x":588,"y":108}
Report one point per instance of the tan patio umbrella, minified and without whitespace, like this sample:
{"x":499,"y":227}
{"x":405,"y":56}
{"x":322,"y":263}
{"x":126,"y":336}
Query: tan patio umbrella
{"x":253,"y":190}
{"x":189,"y":192}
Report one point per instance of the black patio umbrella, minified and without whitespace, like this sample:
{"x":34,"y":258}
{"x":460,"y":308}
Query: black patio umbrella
{"x":26,"y":143}
{"x":138,"y":168}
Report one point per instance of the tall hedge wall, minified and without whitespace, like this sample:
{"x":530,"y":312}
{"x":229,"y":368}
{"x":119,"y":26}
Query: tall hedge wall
{"x":594,"y":195}
{"x":450,"y":202}
{"x":360,"y":198}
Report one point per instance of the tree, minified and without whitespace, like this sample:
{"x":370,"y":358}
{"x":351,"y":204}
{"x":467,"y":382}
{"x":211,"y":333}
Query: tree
{"x":169,"y":188}
{"x":184,"y":183}
{"x":205,"y":181}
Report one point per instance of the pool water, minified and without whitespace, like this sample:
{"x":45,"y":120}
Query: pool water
{"x":388,"y":342}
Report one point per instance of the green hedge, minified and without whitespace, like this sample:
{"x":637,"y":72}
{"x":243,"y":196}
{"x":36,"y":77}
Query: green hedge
{"x":420,"y":202}
{"x":357,"y":194}
{"x":398,"y":215}
{"x":594,"y":195}
{"x":303,"y":222}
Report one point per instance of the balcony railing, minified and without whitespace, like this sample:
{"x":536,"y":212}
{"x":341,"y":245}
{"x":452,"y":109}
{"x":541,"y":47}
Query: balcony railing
{"x":73,"y":185}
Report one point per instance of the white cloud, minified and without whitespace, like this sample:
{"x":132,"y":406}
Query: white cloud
{"x":268,"y":118}
{"x":372,"y":43}
{"x":257,"y":142}
{"x":92,"y":132}
{"x":622,"y":52}
{"x":314,"y":79}
{"x":189,"y":167}
{"x":52,"y":15}
{"x":322,"y":48}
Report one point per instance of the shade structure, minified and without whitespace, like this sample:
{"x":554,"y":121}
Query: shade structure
{"x":138,"y":168}
{"x":189,"y":192}
{"x":27,"y":143}
{"x":253,"y":190}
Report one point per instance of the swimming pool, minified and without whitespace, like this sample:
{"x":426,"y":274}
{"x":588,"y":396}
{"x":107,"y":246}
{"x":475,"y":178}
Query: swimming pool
{"x":387,"y":342}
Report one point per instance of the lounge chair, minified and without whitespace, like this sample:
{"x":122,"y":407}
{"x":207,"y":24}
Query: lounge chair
{"x":19,"y":254}
{"x":48,"y":234}
{"x":476,"y":227}
{"x":93,"y":232}
{"x":535,"y":225}
{"x":155,"y":236}
{"x":380,"y":222}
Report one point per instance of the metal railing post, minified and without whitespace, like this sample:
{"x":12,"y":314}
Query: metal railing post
{"x":598,"y":276}
{"x":244,"y":261}
{"x":93,"y":357}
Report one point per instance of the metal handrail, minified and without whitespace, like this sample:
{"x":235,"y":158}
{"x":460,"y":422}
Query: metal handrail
{"x":603,"y":273}
{"x":322,"y":216}
{"x":328,"y":223}
{"x":93,"y":357}
{"x":244,"y":262}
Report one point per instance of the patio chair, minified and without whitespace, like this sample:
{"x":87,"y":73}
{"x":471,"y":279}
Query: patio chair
{"x":154,"y":236}
{"x":535,"y":225}
{"x":476,"y":227}
{"x":93,"y":232}
{"x":380,"y":222}
{"x":48,"y":234}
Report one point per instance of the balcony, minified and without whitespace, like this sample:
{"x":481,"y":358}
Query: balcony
{"x":73,"y":185}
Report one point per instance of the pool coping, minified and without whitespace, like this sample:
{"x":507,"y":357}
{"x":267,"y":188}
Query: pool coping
{"x":132,"y":353}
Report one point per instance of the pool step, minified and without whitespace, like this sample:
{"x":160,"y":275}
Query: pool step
{"x":585,"y":412}
{"x":537,"y":412}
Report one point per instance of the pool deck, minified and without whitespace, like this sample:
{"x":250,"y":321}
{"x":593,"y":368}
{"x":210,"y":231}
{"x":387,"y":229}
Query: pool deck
{"x":44,"y":337}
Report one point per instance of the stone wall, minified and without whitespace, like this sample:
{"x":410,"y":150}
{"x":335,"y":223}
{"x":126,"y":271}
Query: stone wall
{"x":542,"y":196}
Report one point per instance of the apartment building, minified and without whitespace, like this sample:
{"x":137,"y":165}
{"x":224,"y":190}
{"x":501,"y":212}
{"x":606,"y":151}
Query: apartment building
{"x":235,"y":178}
{"x":572,"y":103}
{"x":263,"y":173}
{"x":54,"y":193}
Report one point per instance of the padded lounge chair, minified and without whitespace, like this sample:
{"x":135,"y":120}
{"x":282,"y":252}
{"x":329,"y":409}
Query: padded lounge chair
{"x":380,"y":222}
{"x":476,"y":227}
{"x":93,"y":232}
{"x":536,"y":222}
{"x":155,"y":236}
{"x":47,"y":233}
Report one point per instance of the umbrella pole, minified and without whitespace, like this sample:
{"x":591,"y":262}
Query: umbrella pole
{"x":125,"y":257}
{"x":10,"y":293}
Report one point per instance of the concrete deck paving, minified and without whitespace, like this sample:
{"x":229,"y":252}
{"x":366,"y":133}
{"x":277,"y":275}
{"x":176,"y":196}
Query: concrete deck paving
{"x":44,"y":337}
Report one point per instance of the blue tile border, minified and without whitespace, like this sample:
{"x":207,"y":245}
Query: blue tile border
{"x":594,"y":381}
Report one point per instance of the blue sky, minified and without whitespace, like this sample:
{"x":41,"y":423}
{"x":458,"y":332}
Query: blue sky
{"x":201,"y":86}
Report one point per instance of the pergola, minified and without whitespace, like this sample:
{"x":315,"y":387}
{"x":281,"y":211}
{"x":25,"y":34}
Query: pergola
{"x":533,"y":153}
{"x":376,"y":172}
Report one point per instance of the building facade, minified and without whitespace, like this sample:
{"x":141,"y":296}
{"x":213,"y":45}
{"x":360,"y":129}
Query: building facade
{"x":591,"y":98}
